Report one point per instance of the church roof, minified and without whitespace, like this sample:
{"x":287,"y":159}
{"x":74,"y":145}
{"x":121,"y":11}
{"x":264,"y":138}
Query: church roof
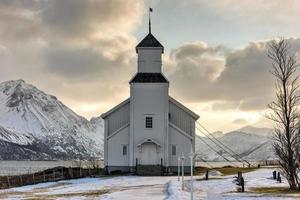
{"x":149,"y":78}
{"x":149,"y":41}
{"x":177,"y":103}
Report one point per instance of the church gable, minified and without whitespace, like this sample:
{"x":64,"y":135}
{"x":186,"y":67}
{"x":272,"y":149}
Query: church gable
{"x":181,"y":117}
{"x":117,"y":117}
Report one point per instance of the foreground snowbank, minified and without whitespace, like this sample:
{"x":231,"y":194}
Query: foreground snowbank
{"x":150,"y":188}
{"x":175,"y":192}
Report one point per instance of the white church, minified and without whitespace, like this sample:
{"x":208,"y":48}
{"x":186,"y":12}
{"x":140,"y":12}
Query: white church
{"x":150,"y":129}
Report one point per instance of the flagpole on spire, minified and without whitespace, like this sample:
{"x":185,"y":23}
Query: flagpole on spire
{"x":150,"y":10}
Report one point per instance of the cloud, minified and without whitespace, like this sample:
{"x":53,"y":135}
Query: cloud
{"x":81,"y":51}
{"x":77,"y":18}
{"x":234,"y":79}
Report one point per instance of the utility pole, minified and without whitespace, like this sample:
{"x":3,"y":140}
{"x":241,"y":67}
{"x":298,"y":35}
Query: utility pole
{"x":192,"y":181}
{"x":182,"y":169}
{"x":178,"y":168}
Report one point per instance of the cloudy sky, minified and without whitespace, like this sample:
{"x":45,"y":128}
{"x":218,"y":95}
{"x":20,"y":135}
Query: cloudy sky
{"x":83,"y":51}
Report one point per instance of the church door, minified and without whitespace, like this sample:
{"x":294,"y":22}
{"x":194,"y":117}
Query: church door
{"x":149,"y":154}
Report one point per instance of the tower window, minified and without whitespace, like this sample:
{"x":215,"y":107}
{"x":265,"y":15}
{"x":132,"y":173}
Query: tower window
{"x":174,"y":150}
{"x":149,"y":122}
{"x":124,"y":150}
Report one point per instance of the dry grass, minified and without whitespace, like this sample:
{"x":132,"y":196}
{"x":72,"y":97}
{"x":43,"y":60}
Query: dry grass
{"x":234,"y":170}
{"x":228,"y":170}
{"x":274,"y":190}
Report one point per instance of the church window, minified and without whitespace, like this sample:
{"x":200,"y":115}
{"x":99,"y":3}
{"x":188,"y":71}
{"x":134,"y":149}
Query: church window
{"x":124,"y":150}
{"x":149,"y":122}
{"x":174,"y":150}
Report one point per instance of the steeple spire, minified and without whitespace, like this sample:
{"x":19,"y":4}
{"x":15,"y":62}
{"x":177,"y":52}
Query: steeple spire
{"x":150,"y":10}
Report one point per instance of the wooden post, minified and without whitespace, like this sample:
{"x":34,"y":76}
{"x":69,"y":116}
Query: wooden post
{"x":206,"y":175}
{"x":70,"y":172}
{"x":240,"y":175}
{"x":274,"y":175}
{"x":182,"y":171}
{"x":178,"y":169}
{"x":8,"y":182}
{"x":161,"y":166}
{"x":279,"y":177}
{"x":21,"y":180}
{"x":136,"y":165}
{"x":243,"y":184}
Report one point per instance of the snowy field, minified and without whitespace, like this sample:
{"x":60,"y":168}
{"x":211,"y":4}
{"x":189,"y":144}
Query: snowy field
{"x":137,"y":188}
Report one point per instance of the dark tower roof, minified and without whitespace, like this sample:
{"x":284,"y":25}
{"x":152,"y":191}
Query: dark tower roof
{"x":149,"y":41}
{"x":149,"y":78}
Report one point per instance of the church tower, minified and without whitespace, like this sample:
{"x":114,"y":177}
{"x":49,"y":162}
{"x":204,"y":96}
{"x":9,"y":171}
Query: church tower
{"x":147,"y":132}
{"x":149,"y":108}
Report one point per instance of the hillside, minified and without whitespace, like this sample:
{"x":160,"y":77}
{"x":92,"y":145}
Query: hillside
{"x":37,"y":123}
{"x":252,"y":146}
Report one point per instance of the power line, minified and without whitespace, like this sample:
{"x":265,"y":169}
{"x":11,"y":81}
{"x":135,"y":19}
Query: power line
{"x":235,"y":154}
{"x":216,"y":151}
{"x":205,"y":161}
{"x":219,"y":146}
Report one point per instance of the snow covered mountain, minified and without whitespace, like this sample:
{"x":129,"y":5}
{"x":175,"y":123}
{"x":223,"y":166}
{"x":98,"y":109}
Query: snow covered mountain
{"x":39,"y":126}
{"x":267,"y":132}
{"x":251,"y":145}
{"x":36,"y":125}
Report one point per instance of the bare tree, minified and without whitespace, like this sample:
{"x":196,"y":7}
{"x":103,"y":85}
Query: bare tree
{"x":93,"y":163}
{"x":284,"y":109}
{"x":80,"y":164}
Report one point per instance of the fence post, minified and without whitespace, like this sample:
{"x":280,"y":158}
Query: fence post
{"x":239,"y":177}
{"x":206,"y":175}
{"x":8,"y":183}
{"x":243,"y":184}
{"x":21,"y":180}
{"x":274,"y":175}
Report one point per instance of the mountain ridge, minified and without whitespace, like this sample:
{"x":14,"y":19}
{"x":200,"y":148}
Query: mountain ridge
{"x":35,"y":125}
{"x":55,"y":129}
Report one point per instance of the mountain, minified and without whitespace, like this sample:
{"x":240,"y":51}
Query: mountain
{"x":217,"y":134}
{"x":252,"y":146}
{"x":267,"y":132}
{"x":36,"y":125}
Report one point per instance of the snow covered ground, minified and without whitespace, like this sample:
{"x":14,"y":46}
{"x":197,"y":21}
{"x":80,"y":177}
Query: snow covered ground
{"x":136,"y":188}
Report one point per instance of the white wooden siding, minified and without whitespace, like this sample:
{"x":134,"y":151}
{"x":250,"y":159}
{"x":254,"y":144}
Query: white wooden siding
{"x":118,"y":119}
{"x":180,"y":118}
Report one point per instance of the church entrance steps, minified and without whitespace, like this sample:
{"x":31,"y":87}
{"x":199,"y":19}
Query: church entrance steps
{"x":149,"y":170}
